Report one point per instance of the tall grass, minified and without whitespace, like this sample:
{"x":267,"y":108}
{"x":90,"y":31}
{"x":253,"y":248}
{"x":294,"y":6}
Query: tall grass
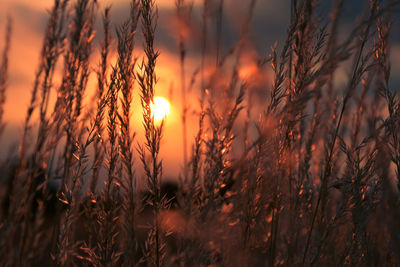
{"x":306,"y":175}
{"x":4,"y":71}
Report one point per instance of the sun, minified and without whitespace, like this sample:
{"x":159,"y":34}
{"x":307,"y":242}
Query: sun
{"x":160,"y":108}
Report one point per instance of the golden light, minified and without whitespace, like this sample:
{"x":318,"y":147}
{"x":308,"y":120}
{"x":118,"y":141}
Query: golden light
{"x":160,"y":108}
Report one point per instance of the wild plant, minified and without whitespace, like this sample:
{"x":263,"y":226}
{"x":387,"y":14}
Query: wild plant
{"x":299,"y":168}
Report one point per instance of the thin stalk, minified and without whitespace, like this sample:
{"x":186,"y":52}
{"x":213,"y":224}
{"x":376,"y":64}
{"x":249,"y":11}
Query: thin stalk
{"x":328,"y":167}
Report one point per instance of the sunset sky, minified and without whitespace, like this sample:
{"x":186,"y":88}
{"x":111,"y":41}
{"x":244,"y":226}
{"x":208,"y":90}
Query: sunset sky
{"x":269,"y":25}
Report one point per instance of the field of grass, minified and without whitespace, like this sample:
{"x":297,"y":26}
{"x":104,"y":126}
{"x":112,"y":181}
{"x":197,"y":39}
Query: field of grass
{"x":301,"y":169}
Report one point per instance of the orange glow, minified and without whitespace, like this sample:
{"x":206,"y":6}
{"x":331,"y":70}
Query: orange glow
{"x":160,"y":108}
